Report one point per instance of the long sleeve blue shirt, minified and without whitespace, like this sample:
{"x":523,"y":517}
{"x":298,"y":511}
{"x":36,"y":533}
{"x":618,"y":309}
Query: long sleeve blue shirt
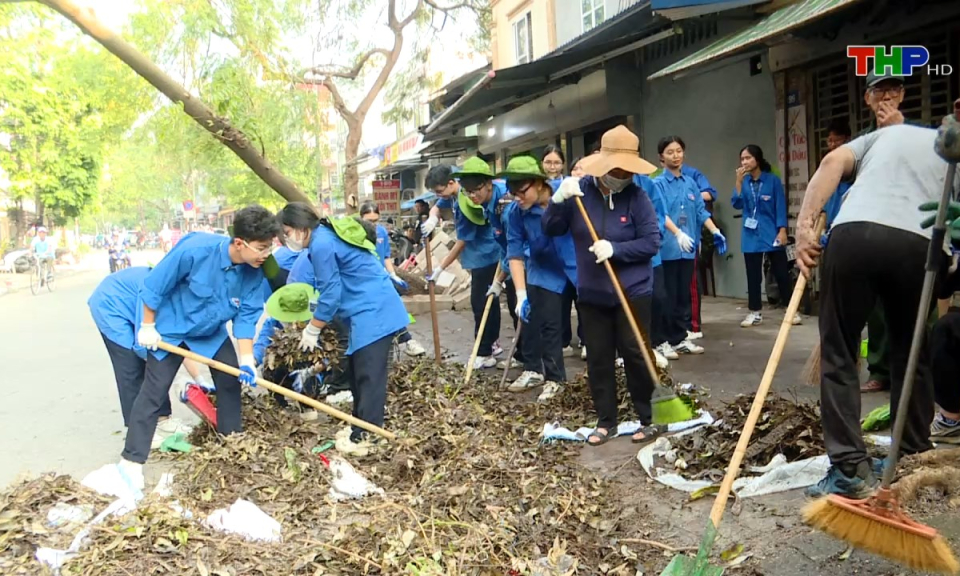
{"x":300,"y":271}
{"x":355,"y":287}
{"x":645,"y":183}
{"x":484,"y":244}
{"x":630,"y":225}
{"x":684,"y":205}
{"x":196,"y":289}
{"x":114,"y":306}
{"x":552,"y":261}
{"x":383,"y":244}
{"x":765,"y":201}
{"x":700,"y":180}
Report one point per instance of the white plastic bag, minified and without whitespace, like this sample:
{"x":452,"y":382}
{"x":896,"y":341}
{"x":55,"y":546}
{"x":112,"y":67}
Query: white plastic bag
{"x":347,"y":483}
{"x":247,"y":520}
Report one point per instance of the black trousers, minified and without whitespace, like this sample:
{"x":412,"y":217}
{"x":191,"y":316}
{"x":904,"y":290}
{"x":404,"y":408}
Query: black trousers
{"x":660,"y":328}
{"x":480,"y":281}
{"x":155,"y":393}
{"x":945,"y":360}
{"x":864,"y":263}
{"x":566,"y":310}
{"x":677,"y":275}
{"x":545,"y":308}
{"x":368,"y":367}
{"x":781,"y":271}
{"x":128,"y":369}
{"x":607,"y":330}
{"x":340,"y":377}
{"x":404,"y":336}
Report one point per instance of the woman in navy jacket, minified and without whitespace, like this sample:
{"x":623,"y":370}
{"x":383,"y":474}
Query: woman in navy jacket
{"x":759,"y":193}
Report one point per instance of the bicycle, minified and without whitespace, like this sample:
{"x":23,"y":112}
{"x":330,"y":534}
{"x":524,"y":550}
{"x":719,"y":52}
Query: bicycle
{"x":42,"y":275}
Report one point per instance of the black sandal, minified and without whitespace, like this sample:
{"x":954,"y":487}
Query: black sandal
{"x":603,"y":436}
{"x":650,"y":433}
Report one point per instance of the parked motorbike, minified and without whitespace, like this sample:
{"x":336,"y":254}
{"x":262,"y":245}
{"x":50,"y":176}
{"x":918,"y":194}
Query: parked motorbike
{"x":400,"y":246}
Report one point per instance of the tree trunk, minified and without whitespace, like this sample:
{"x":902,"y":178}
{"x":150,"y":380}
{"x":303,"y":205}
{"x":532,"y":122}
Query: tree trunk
{"x":220,"y":127}
{"x":351,"y":176}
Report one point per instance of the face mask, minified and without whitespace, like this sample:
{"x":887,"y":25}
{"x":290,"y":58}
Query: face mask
{"x":615,"y":185}
{"x":294,"y":242}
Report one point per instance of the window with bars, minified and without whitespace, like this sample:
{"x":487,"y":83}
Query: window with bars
{"x":523,"y":39}
{"x":592,"y":13}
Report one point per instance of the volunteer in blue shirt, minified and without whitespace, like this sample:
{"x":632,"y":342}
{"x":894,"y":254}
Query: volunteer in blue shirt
{"x":838,"y":134}
{"x":442,"y":180}
{"x":549,"y":272}
{"x":284,"y":257}
{"x":480,"y":246}
{"x":370,"y":212}
{"x":659,"y":303}
{"x":685,"y":216}
{"x":526,"y":353}
{"x":355,"y":287}
{"x":113,"y":306}
{"x":553,"y":163}
{"x":759,"y":193}
{"x":709,"y":195}
{"x":205,"y":281}
{"x":626,"y":223}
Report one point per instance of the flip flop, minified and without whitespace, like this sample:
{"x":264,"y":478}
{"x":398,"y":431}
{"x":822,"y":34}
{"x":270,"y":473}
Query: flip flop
{"x":650,"y":433}
{"x":604,"y":437}
{"x":873,"y":386}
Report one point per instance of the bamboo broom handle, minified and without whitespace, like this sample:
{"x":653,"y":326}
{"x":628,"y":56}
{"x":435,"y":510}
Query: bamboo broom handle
{"x":432,"y":290}
{"x":483,"y":325}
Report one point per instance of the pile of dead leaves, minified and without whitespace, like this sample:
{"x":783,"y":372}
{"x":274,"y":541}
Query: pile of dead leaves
{"x":284,"y":352}
{"x":785,"y":427}
{"x":468,"y":490}
{"x":929,"y":482}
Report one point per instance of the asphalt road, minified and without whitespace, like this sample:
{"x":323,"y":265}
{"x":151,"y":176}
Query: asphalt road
{"x":59,"y":409}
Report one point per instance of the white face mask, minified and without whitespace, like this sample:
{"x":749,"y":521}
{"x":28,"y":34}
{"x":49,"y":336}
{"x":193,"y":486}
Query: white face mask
{"x":294,"y":241}
{"x":615,"y":185}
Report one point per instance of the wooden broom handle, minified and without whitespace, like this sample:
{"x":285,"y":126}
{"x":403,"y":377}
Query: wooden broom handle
{"x":733,"y":469}
{"x":654,"y":379}
{"x":326,"y":408}
{"x":432,"y":290}
{"x":483,"y":325}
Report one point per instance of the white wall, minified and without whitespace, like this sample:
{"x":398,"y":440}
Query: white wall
{"x":569,"y":16}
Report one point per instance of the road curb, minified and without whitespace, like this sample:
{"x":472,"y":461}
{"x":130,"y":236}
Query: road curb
{"x":7,"y":287}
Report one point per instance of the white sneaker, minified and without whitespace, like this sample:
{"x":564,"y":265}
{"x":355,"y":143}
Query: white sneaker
{"x":528,"y":379}
{"x":509,"y":365}
{"x":662,"y":362}
{"x":412,"y":348}
{"x":668,"y":352}
{"x":688,"y":347}
{"x":132,"y":475}
{"x":752,"y":319}
{"x":483,"y":363}
{"x":618,"y":362}
{"x":497,"y":349}
{"x":550,"y":389}
{"x":342,"y":397}
{"x":583,"y":352}
{"x":694,"y":335}
{"x":569,"y":352}
{"x":797,"y":319}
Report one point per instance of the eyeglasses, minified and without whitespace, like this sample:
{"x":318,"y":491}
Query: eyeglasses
{"x":265,"y":252}
{"x":885,"y":91}
{"x":475,"y":191}
{"x":516,"y":190}
{"x":552,"y":163}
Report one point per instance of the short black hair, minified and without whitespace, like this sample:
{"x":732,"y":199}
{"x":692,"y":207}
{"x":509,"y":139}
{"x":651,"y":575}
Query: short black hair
{"x":668,"y":140}
{"x":299,"y":215}
{"x":840,"y":127}
{"x":368,"y":208}
{"x":255,"y":223}
{"x":438,"y":175}
{"x":472,"y":182}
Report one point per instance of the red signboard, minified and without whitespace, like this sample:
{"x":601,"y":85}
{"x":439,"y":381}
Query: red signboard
{"x":386,"y":193}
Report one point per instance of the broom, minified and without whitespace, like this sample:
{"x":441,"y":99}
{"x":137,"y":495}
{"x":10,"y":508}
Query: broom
{"x":877,"y":524}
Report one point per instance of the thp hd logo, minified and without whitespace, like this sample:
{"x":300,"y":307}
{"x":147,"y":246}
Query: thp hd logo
{"x":894,"y":60}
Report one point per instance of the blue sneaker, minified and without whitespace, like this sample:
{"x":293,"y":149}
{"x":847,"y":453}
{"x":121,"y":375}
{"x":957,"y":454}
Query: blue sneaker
{"x":878,"y":466}
{"x":859,"y":486}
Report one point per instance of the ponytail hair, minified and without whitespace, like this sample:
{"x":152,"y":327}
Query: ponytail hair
{"x":757,"y":153}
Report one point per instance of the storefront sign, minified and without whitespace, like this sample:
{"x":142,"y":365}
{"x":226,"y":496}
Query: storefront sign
{"x":386,"y":193}
{"x":398,"y":149}
{"x":797,"y":165}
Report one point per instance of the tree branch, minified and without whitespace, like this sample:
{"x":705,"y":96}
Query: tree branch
{"x":338,"y":102}
{"x":354,"y":72}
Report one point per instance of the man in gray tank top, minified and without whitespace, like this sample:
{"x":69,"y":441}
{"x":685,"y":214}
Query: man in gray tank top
{"x":877,"y":252}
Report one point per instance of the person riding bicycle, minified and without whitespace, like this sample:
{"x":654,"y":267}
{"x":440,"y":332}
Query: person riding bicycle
{"x":117,"y":248}
{"x":43,"y":249}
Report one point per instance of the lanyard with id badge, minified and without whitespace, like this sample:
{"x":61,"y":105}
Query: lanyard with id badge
{"x":751,"y":222}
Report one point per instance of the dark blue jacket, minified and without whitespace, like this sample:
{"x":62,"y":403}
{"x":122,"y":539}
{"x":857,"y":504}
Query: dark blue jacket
{"x":631,"y":226}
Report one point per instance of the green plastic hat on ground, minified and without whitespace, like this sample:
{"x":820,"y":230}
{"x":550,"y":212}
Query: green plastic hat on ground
{"x":522,"y":168}
{"x":475,"y":167}
{"x":470,"y":209}
{"x":292,"y":303}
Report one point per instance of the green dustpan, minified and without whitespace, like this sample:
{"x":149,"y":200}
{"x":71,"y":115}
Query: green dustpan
{"x":699,"y":565}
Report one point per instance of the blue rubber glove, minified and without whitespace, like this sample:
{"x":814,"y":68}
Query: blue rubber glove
{"x":720,"y":242}
{"x":525,"y":311}
{"x":400,"y":283}
{"x":297,"y":381}
{"x":248,"y":371}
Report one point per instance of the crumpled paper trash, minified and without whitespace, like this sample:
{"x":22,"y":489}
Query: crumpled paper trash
{"x":347,"y":483}
{"x":245,"y":519}
{"x":63,"y":514}
{"x":109,"y":481}
{"x":344,"y":397}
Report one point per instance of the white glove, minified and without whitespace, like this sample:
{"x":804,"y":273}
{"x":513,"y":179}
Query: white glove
{"x":569,"y":188}
{"x":427,"y":227}
{"x":436,"y":274}
{"x":148,"y":337}
{"x":685,"y":242}
{"x":495,"y":289}
{"x":602,"y":249}
{"x":521,"y":299}
{"x":308,"y":338}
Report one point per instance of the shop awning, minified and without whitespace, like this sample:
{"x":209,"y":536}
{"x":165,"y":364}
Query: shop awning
{"x":426,"y":197}
{"x":776,"y":24}
{"x":682,"y":9}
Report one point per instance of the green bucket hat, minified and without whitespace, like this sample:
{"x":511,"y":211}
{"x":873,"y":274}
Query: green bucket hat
{"x":351,"y":231}
{"x":473,"y":211}
{"x":475,"y":167}
{"x":522,"y":168}
{"x":292,"y":303}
